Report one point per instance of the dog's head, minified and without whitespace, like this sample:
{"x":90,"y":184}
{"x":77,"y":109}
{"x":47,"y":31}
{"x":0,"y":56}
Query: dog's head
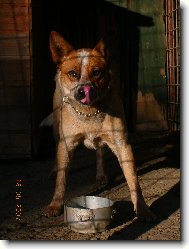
{"x":83,"y":74}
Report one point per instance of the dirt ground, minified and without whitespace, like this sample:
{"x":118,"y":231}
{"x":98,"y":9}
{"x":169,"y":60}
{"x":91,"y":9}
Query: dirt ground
{"x":158,"y":164}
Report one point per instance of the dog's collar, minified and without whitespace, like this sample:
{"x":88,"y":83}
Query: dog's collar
{"x":89,"y":115}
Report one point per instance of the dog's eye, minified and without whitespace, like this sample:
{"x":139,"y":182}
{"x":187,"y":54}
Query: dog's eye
{"x":96,"y":72}
{"x":73,"y":74}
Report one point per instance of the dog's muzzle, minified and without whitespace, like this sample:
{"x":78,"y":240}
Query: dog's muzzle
{"x":86,"y":93}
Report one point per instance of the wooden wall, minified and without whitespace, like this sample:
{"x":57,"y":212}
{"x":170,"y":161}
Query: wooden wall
{"x":152,"y":83}
{"x":15,"y":79}
{"x":146,"y":64}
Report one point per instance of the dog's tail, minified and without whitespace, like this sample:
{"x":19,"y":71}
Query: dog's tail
{"x":48,"y":121}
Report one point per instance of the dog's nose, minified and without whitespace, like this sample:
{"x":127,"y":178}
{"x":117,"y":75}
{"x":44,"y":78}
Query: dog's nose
{"x":80,"y":93}
{"x":85,"y":93}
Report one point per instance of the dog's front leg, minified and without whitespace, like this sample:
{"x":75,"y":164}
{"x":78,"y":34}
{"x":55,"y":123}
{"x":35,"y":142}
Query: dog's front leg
{"x":63,"y":161}
{"x":124,"y":153}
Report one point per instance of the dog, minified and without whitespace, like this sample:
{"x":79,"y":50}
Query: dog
{"x":87,"y":109}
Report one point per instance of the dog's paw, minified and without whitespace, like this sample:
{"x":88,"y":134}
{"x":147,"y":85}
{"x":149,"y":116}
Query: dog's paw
{"x":52,"y":210}
{"x":102,"y":180}
{"x":145,"y":214}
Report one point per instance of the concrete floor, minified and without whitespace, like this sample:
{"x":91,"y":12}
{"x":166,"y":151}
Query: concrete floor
{"x":158,"y":163}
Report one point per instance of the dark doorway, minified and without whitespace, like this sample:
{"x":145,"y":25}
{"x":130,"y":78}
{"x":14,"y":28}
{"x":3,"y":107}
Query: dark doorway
{"x":83,"y":23}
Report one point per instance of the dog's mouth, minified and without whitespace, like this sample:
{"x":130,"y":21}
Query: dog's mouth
{"x":86,"y":94}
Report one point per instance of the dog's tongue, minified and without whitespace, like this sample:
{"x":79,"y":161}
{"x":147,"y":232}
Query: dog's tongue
{"x":87,"y":99}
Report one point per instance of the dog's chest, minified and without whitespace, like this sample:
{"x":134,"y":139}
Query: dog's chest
{"x":91,"y":134}
{"x":88,"y":130}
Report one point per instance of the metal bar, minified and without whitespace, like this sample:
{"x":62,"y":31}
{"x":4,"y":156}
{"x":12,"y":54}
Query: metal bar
{"x":169,"y":49}
{"x":167,"y":57}
{"x":170,"y":13}
{"x":176,"y":84}
{"x":175,"y":66}
{"x":172,"y":32}
{"x":171,"y":54}
{"x":174,"y":103}
{"x":178,"y":61}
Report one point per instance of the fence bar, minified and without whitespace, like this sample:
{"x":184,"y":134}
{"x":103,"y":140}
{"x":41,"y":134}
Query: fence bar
{"x":172,"y":23}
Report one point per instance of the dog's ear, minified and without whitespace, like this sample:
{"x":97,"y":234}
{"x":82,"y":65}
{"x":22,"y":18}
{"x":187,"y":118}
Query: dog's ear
{"x":101,"y":47}
{"x":59,"y":47}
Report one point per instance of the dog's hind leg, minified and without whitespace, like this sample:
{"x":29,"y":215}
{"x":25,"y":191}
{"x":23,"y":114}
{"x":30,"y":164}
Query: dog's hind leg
{"x":101,"y":177}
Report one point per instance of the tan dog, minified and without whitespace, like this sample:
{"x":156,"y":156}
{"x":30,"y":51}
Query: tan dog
{"x":88,"y":109}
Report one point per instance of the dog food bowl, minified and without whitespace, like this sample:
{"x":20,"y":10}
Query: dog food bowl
{"x":88,"y":214}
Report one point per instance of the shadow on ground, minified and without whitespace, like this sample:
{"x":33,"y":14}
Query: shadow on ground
{"x":163,"y":208}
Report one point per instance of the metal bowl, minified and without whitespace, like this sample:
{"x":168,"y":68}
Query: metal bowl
{"x":88,"y":214}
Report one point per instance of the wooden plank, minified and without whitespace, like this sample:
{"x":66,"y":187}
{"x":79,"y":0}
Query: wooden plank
{"x":15,"y":96}
{"x":13,"y":26}
{"x":14,"y":71}
{"x":14,"y":17}
{"x":14,"y":46}
{"x":13,"y":10}
{"x":14,"y":118}
{"x":15,"y":2}
{"x":15,"y":146}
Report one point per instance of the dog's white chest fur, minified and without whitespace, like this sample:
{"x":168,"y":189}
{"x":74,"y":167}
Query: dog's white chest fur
{"x":89,"y":141}
{"x":92,"y":142}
